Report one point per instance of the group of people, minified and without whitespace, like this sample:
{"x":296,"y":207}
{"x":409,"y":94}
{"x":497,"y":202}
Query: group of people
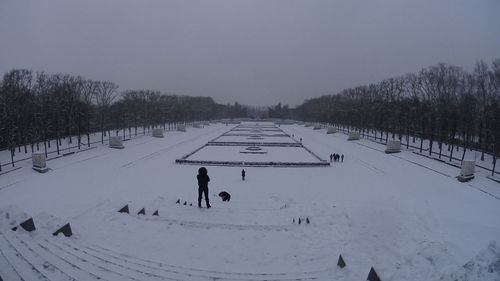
{"x":336,"y":157}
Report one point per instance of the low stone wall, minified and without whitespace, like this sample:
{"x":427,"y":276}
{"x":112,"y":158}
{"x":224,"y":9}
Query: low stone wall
{"x":276,"y":144}
{"x":252,"y":164}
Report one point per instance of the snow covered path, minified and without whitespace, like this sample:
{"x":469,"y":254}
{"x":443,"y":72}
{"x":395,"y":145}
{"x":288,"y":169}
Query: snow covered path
{"x":405,"y":215}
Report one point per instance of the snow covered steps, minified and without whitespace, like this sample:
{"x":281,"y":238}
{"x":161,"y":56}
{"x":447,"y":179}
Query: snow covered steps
{"x":34,"y":257}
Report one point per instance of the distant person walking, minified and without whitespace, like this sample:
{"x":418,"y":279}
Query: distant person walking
{"x":243,"y":174}
{"x":342,"y":157}
{"x":203,"y":180}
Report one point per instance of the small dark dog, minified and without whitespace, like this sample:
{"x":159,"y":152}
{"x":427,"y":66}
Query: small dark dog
{"x":225,"y":196}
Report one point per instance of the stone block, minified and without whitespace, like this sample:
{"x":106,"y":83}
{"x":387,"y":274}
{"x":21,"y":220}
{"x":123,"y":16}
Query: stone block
{"x":393,"y":146}
{"x":115,"y":142}
{"x":468,"y":167}
{"x":39,"y":162}
{"x":28,"y":225}
{"x":331,"y":130}
{"x":158,"y":133}
{"x":467,"y":171}
{"x":124,"y":210}
{"x":372,"y":275}
{"x":341,"y":262}
{"x":353,"y":136}
{"x":66,"y":230}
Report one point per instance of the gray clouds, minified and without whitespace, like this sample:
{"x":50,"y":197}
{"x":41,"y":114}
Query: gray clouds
{"x":255,"y":52}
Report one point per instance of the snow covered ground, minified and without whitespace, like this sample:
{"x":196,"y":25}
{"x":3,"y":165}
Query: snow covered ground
{"x":403,"y":214}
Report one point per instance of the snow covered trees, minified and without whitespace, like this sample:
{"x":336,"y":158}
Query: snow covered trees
{"x":442,"y":104}
{"x":37,"y":108}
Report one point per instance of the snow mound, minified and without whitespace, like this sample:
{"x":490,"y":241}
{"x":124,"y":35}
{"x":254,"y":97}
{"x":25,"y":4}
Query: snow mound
{"x":483,"y":267}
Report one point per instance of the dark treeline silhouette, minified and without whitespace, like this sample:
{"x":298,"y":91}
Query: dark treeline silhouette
{"x":443,"y":104}
{"x":36,"y":107}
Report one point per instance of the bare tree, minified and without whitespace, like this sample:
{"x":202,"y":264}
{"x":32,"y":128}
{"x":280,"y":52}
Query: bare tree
{"x":105,"y":93}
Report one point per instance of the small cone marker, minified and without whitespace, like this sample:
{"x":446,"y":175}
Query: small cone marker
{"x":372,"y":275}
{"x":66,"y":230}
{"x":28,"y":225}
{"x":124,"y":210}
{"x":341,"y":262}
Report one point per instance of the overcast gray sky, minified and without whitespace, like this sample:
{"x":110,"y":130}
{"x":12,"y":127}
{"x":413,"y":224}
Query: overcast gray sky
{"x":258,"y":52}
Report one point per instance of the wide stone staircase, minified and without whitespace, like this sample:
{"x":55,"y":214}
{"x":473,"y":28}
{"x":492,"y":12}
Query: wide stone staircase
{"x":28,"y":256}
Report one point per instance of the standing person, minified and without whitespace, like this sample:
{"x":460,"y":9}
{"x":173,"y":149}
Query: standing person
{"x":243,"y":174}
{"x":342,"y":157}
{"x":203,"y":180}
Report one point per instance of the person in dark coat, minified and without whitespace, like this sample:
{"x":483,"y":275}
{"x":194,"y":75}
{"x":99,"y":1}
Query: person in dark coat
{"x":203,"y":180}
{"x":243,"y":174}
{"x":342,"y":157}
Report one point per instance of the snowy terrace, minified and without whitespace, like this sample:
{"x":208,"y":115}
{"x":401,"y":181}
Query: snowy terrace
{"x":403,"y":214}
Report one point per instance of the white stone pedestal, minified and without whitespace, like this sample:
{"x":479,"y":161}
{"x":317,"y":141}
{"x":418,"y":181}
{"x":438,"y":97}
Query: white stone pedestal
{"x":39,"y":163}
{"x":353,"y":136}
{"x":393,"y":146}
{"x":158,"y":133}
{"x":467,"y":171}
{"x":116,"y":142}
{"x":331,"y":130}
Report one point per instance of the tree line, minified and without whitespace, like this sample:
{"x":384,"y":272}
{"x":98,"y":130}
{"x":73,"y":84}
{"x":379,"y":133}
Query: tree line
{"x":36,"y":107}
{"x":442,"y":103}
